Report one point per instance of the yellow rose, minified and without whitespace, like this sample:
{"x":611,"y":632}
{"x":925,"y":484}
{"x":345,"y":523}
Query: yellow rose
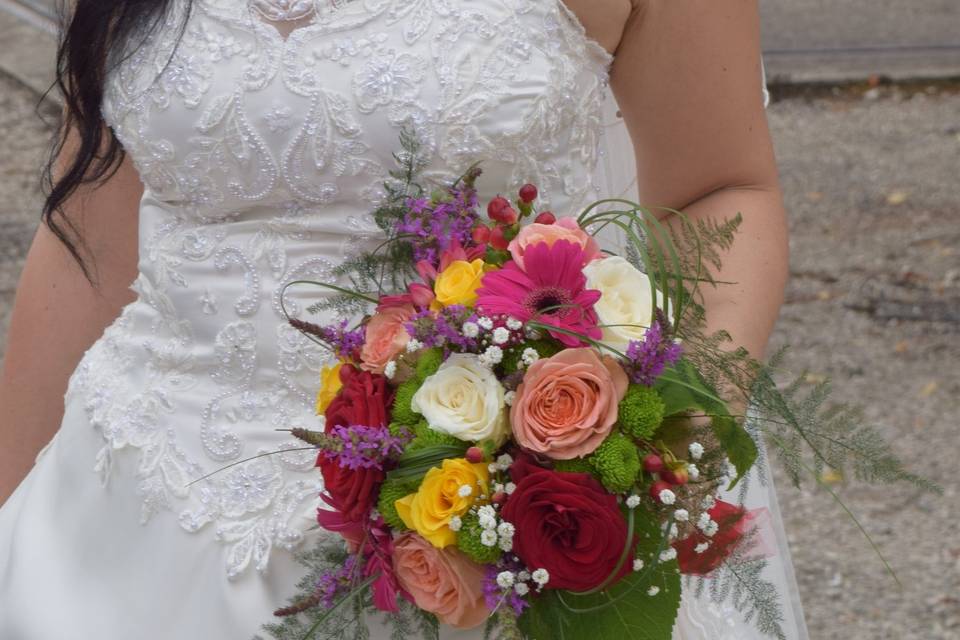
{"x":458,"y":283}
{"x":440,"y":498}
{"x":330,"y":386}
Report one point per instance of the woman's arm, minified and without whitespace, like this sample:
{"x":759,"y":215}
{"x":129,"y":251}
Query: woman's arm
{"x":688,"y":82}
{"x":58,"y":314}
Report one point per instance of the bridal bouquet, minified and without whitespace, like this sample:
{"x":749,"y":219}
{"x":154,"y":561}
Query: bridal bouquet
{"x":527,"y":433}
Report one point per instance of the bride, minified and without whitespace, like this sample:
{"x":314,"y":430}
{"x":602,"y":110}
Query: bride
{"x":213,"y":151}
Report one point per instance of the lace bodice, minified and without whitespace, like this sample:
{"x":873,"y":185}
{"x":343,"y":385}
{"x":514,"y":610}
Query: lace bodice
{"x":261,"y":155}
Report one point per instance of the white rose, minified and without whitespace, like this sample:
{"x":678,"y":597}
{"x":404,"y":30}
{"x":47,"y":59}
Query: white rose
{"x":626,"y":298}
{"x":465,"y":400}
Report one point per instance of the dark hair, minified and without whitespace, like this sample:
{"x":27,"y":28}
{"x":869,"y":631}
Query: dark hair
{"x":94,"y":35}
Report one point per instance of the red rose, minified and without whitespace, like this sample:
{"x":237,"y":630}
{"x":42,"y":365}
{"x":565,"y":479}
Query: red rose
{"x":567,"y":524}
{"x":733,"y":521}
{"x":363,"y":400}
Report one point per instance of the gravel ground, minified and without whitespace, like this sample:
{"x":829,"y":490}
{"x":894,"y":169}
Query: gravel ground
{"x":872,"y":190}
{"x":871,"y":185}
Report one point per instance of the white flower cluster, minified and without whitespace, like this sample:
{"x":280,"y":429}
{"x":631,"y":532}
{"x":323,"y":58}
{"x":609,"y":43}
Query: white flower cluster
{"x":492,"y":356}
{"x":696,"y":450}
{"x":520,"y":581}
{"x":495,"y":532}
{"x":390,"y":370}
{"x":708,"y":526}
{"x":501,"y":464}
{"x":414,"y":345}
{"x":529,"y":356}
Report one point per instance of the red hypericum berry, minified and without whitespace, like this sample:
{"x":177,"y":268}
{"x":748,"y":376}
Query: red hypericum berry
{"x":481,"y":234}
{"x":497,"y":239}
{"x":652,"y":463}
{"x":528,"y":193}
{"x":676,"y":475}
{"x":508,"y":215}
{"x":658,"y":487}
{"x":499,"y":498}
{"x":546,"y":217}
{"x":474,"y":455}
{"x":497,"y":205}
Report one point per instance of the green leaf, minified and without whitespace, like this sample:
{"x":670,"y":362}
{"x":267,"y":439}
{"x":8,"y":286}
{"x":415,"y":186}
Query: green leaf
{"x":414,"y":465}
{"x":622,"y":612}
{"x":683,"y":389}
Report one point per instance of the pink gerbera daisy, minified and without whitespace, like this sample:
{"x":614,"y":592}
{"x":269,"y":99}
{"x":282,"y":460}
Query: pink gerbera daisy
{"x":550,"y":288}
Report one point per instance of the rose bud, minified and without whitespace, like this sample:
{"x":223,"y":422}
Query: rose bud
{"x":421,"y":294}
{"x":652,"y":463}
{"x":528,"y":193}
{"x":676,"y":474}
{"x":497,"y":239}
{"x":657,"y":488}
{"x":499,"y":498}
{"x":481,"y":234}
{"x":474,"y":454}
{"x":497,"y":205}
{"x":545,"y":217}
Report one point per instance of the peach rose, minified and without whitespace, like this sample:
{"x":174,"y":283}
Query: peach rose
{"x":442,"y":581}
{"x":562,"y":229}
{"x":385,"y":337}
{"x":567,"y":404}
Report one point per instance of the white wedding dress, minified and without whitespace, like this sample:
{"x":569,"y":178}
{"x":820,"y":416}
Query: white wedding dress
{"x":261,"y":157}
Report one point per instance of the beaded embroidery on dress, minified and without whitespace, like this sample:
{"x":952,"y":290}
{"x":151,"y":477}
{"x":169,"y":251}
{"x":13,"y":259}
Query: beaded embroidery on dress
{"x":263,"y":131}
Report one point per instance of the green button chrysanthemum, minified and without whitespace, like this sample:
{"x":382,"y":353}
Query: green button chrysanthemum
{"x":617,"y":462}
{"x":641,"y":411}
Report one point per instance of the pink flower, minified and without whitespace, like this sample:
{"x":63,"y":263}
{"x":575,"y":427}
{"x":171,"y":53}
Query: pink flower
{"x":567,"y":404}
{"x":386,"y":336}
{"x":551,"y":289}
{"x":562,"y":229}
{"x":444,"y":582}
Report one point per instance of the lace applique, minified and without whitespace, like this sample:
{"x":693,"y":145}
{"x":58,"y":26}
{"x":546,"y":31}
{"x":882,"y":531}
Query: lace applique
{"x":262,"y":156}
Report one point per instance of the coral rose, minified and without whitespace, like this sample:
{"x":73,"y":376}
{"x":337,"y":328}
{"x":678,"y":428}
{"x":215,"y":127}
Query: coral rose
{"x":562,"y":229}
{"x":567,"y":404}
{"x":429,"y":510}
{"x":385,"y":337}
{"x":442,"y":581}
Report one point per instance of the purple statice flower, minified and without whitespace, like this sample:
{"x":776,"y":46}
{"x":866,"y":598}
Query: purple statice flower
{"x":345,"y":342}
{"x":334,"y":583}
{"x":432,"y":227}
{"x":366,"y":447}
{"x":647,"y":358}
{"x":443,"y":328}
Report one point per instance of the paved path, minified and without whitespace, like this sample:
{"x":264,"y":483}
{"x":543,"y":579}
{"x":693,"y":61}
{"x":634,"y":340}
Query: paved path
{"x":898,"y":38}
